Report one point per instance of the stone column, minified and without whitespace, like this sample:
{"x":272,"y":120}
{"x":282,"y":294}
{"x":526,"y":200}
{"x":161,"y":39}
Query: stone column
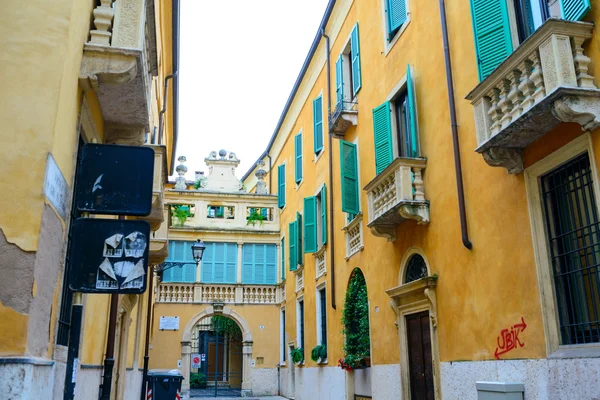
{"x":199,"y":272}
{"x":246,"y":365}
{"x":239,"y":263}
{"x":186,"y":351}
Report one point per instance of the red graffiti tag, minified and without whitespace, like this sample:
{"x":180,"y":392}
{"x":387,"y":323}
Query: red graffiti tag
{"x":509,"y":339}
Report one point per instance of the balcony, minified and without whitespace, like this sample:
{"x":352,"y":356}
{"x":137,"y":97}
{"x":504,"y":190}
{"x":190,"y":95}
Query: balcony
{"x":343,"y":117}
{"x":544,"y":82}
{"x":157,"y":214}
{"x":117,"y":66}
{"x":204,"y":293}
{"x":159,"y":242}
{"x":397,"y":194}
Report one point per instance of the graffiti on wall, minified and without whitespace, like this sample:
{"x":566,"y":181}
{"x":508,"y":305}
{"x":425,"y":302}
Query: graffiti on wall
{"x":509,"y":339}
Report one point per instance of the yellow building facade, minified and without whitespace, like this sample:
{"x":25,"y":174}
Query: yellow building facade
{"x":75,"y":72}
{"x":447,"y":151}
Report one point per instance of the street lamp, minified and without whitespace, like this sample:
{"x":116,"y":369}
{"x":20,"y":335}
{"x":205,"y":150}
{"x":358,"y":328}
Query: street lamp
{"x":198,"y":250}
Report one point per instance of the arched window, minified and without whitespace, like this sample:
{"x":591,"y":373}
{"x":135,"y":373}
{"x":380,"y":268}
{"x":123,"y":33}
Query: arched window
{"x":415,"y":269}
{"x":355,"y":319}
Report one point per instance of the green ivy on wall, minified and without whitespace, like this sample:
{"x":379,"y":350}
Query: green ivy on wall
{"x":355,"y":319}
{"x":224,"y":325}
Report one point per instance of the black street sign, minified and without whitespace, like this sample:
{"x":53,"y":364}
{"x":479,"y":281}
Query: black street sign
{"x":115,"y":179}
{"x":109,"y":256}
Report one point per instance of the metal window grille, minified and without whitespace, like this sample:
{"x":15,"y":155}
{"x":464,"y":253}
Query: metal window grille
{"x":573,"y":235}
{"x":66,"y":303}
{"x":283,"y":334}
{"x":416,"y":269}
{"x":323,"y":304}
{"x":301,"y":306}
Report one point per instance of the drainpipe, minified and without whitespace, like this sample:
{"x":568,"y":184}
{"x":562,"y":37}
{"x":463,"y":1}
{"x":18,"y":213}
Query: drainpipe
{"x":161,"y":115}
{"x":457,"y":163}
{"x":330,"y":191}
{"x":150,"y":291}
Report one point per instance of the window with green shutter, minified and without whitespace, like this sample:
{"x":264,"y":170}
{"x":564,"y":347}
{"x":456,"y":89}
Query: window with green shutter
{"x":299,"y":239}
{"x":382,"y":133}
{"x":349,"y":177}
{"x":281,"y":186}
{"x":310,"y":224}
{"x":298,"y":156}
{"x":396,"y":13}
{"x":491,"y":28}
{"x":259,"y":264}
{"x":574,"y":10}
{"x":339,"y":80}
{"x":180,"y":251}
{"x":219,"y":263}
{"x":323,"y":216}
{"x":355,"y":60}
{"x":293,"y":242}
{"x":282,"y":259}
{"x":318,"y":124}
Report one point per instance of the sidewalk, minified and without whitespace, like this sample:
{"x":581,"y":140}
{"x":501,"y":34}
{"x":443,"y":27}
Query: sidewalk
{"x":238,"y":398}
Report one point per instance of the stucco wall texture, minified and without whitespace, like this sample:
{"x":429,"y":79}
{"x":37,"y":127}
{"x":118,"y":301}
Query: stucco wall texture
{"x":479,"y":291}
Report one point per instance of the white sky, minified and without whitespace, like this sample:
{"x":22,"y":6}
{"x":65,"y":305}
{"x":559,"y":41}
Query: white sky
{"x":239,"y":61}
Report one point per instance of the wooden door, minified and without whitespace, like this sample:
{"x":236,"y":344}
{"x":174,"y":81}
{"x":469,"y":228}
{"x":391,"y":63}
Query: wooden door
{"x":419,"y":356}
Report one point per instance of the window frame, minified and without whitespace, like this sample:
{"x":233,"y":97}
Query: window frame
{"x":321,"y":151}
{"x":283,"y":345}
{"x":320,"y":327}
{"x":532,"y":175}
{"x":300,"y":325}
{"x":398,"y":90}
{"x":296,"y":170}
{"x":387,"y":43}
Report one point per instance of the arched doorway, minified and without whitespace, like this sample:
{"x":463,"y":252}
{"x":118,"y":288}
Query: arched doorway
{"x":216,"y":351}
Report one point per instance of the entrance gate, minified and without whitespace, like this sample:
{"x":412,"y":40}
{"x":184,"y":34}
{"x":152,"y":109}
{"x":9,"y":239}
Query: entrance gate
{"x":218,"y":344}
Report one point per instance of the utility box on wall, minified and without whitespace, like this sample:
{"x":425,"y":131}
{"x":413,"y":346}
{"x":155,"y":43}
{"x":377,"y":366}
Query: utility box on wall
{"x":500,"y":391}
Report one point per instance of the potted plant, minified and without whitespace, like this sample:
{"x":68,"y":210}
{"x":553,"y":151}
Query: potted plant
{"x":254,"y":217}
{"x":319,"y":354}
{"x":198,"y":381}
{"x":297,"y":355}
{"x":181,"y":213}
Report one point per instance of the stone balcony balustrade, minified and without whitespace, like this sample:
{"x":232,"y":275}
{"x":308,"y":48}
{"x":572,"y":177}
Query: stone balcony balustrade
{"x":343,"y":117}
{"x":118,"y":63}
{"x":397,"y":194}
{"x":544,"y":82}
{"x":157,"y":214}
{"x":205,"y":293}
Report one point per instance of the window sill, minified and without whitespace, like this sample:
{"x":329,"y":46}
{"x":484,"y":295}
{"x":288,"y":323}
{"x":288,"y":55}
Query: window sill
{"x":591,"y":350}
{"x":352,"y":223}
{"x":318,"y":155}
{"x":298,"y":184}
{"x":389,"y":44}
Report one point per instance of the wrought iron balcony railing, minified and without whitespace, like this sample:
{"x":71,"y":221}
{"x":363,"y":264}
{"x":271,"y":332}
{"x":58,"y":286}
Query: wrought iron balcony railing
{"x":344,"y":116}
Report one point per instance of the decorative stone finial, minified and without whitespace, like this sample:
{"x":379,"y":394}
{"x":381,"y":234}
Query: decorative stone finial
{"x":261,"y":186}
{"x":222,"y":153}
{"x":181,"y":170}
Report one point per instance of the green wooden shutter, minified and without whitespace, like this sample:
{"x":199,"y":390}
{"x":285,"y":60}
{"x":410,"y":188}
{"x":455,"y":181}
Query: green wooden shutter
{"x":339,"y":80}
{"x":318,"y":123}
{"x":574,"y":10}
{"x":491,"y":28}
{"x":396,"y":15}
{"x":382,"y":132}
{"x":293,"y":232}
{"x":324,"y":214}
{"x":299,"y":239}
{"x":349,"y":171}
{"x":298,"y":155}
{"x":310,"y":224}
{"x":282,"y":259}
{"x":412,"y":111}
{"x":270,"y":264}
{"x":281,"y":184}
{"x":355,"y":50}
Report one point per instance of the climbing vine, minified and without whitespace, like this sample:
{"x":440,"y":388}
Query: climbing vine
{"x":355,"y":319}
{"x":222,"y":325}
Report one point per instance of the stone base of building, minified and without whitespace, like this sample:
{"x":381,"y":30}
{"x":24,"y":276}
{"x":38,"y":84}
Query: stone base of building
{"x":26,"y":378}
{"x":89,"y":379}
{"x":575,"y":378}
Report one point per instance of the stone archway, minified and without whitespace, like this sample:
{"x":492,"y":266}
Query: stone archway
{"x":186,"y":346}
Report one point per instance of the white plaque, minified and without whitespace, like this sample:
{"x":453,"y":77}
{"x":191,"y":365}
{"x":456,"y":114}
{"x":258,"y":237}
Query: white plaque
{"x":169,"y":324}
{"x":196,"y":360}
{"x":55,"y":187}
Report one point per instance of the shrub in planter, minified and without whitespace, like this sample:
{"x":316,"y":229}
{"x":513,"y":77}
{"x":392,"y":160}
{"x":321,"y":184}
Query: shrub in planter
{"x":197,"y":381}
{"x":319,"y":353}
{"x":297,"y":355}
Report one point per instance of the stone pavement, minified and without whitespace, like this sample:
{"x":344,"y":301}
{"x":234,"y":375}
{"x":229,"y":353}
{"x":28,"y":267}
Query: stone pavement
{"x":238,"y":398}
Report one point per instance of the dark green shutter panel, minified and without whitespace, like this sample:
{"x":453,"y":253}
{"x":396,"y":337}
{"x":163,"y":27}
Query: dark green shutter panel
{"x":282,"y":259}
{"x":355,"y":50}
{"x":339,"y":80}
{"x":299,"y":239}
{"x":318,"y":123}
{"x":293,"y":242}
{"x":491,"y":28}
{"x":412,"y":111}
{"x":574,"y":10}
{"x":323,"y":215}
{"x":281,"y":184}
{"x":382,"y":132}
{"x":349,"y":170}
{"x":396,"y":13}
{"x":298,"y":155}
{"x":310,"y":224}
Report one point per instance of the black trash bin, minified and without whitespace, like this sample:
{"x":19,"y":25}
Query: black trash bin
{"x":164,"y":385}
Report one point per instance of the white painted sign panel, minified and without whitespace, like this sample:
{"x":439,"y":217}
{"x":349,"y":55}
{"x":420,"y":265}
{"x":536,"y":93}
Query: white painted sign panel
{"x":169,"y":323}
{"x":55,"y":187}
{"x":196,"y":360}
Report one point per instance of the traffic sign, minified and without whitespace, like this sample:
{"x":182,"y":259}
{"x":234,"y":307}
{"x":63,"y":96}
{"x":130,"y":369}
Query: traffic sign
{"x":196,"y":361}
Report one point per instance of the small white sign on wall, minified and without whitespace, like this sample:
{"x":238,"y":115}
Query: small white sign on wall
{"x":55,"y":187}
{"x":169,"y":323}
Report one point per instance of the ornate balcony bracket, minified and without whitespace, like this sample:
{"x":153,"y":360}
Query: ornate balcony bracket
{"x":344,"y":116}
{"x":543,"y":83}
{"x":395,"y":195}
